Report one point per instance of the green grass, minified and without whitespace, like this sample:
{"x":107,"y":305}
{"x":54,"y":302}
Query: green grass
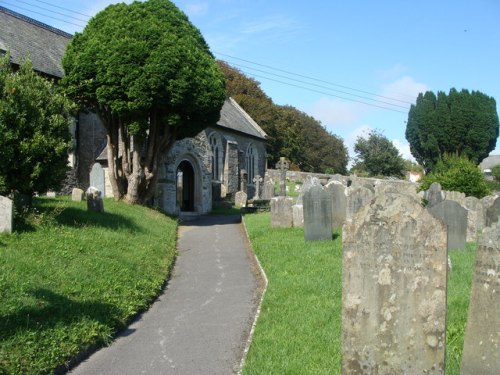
{"x":298,"y":331}
{"x":70,"y":279}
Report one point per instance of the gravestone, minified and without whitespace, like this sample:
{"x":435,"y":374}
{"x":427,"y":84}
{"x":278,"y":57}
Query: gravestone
{"x":309,"y":182}
{"x":298,"y":215}
{"x":51,"y":194}
{"x":339,"y":203}
{"x":394,"y":289}
{"x":357,"y":197}
{"x":281,"y":212}
{"x":493,"y":212}
{"x":268,"y":191}
{"x":77,"y":195}
{"x":257,"y":181}
{"x":6,"y":215}
{"x":434,"y":195}
{"x":282,"y":165}
{"x":454,"y":216}
{"x":94,"y":200}
{"x":240,"y":199}
{"x":243,"y":181}
{"x":481,"y":353}
{"x":97,"y":178}
{"x":475,"y":217}
{"x":317,"y":214}
{"x":456,"y":196}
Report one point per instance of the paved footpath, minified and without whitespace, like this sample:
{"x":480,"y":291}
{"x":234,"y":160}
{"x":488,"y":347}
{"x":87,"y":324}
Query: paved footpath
{"x":201,"y":322}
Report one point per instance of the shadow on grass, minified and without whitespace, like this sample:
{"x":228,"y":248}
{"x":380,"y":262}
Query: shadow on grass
{"x":53,"y":309}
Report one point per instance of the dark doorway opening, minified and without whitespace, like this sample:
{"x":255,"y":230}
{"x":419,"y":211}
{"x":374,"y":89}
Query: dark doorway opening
{"x":185,"y":186}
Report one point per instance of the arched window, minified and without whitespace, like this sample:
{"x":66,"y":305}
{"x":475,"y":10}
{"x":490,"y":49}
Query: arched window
{"x":216,"y":157}
{"x":251,"y":162}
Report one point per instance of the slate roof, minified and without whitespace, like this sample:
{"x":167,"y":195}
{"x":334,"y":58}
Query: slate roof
{"x":45,"y":45}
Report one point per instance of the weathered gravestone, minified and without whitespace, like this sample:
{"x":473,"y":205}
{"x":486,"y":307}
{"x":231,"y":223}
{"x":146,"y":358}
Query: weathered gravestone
{"x":317,"y":214}
{"x":456,"y":196}
{"x":243,"y":181}
{"x":77,"y":195}
{"x":306,"y":185}
{"x":336,"y":190}
{"x":257,"y":181}
{"x":281,"y":212}
{"x":268,"y":191}
{"x":298,"y":215}
{"x":493,"y":213}
{"x":94,"y":200}
{"x":394,"y":289}
{"x":434,"y":195}
{"x":475,"y":217}
{"x":454,"y":216}
{"x":51,"y":194}
{"x":6,"y":215}
{"x":481,"y":353}
{"x":282,"y":165}
{"x":240,"y":199}
{"x":357,"y":197}
{"x":97,"y":178}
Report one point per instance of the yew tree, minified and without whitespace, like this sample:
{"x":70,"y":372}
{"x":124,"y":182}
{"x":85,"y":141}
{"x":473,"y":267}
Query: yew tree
{"x":149,"y":75}
{"x":461,"y":123}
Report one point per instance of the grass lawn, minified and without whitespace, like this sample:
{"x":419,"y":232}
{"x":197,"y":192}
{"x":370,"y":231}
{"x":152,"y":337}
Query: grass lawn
{"x":70,"y":279}
{"x":298,"y":331}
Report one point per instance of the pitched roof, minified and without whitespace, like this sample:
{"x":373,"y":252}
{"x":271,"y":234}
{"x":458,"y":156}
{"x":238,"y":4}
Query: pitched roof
{"x":233,"y":117}
{"x":26,"y":37}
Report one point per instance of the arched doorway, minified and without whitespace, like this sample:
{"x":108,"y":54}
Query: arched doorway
{"x":185,"y":186}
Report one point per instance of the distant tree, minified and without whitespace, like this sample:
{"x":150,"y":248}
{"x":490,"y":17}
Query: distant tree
{"x":149,"y":75}
{"x":377,"y":156}
{"x":495,"y":172}
{"x":457,"y":173}
{"x":34,"y":131}
{"x":460,"y":123}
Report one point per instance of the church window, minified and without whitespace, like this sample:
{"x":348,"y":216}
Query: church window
{"x":251,"y":163}
{"x":216,"y":156}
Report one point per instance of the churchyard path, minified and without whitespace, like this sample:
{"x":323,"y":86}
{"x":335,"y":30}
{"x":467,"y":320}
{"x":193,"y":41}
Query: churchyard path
{"x":200,"y":324}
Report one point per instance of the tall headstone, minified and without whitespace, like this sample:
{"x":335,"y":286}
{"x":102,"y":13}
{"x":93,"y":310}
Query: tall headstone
{"x":493,"y":213}
{"x":309,"y":182}
{"x":94,"y":200}
{"x":317,"y":214}
{"x":243,"y":180}
{"x":257,"y":180}
{"x":475,"y":217}
{"x":281,"y":212}
{"x":6,"y":215}
{"x":268,"y":190}
{"x":434,"y":195}
{"x":358,"y":197}
{"x":454,"y":216}
{"x":298,"y":215}
{"x":339,"y":203}
{"x":77,"y":195}
{"x":282,"y":165}
{"x":481,"y":353}
{"x":394,"y":289}
{"x":97,"y":178}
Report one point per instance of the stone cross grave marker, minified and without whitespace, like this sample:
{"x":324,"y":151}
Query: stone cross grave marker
{"x":482,"y":336}
{"x":454,"y":216}
{"x":6,"y":215}
{"x":282,"y":166}
{"x":257,"y":181}
{"x":394,"y":289}
{"x":317,"y":205}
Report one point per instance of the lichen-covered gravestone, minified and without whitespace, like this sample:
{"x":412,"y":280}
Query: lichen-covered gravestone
{"x":454,"y":216}
{"x":394,"y":289}
{"x":240,"y":199}
{"x":6,"y":215}
{"x":317,"y":214}
{"x":475,"y":217}
{"x":77,"y":195}
{"x":357,"y":197}
{"x":281,"y":212}
{"x":482,"y":337}
{"x":493,"y":212}
{"x":434,"y":195}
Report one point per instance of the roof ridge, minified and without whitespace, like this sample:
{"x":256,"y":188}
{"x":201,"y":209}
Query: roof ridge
{"x":248,"y":117}
{"x":35,"y":22}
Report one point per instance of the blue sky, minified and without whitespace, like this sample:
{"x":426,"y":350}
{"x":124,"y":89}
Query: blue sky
{"x":375,"y":52}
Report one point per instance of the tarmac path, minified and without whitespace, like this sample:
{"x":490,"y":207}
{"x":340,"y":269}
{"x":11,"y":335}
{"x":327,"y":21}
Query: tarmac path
{"x":201,"y":322}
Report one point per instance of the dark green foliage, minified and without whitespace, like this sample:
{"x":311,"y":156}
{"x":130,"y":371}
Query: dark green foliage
{"x":495,"y":172}
{"x":148,"y":73}
{"x":460,"y":123}
{"x":34,"y":133}
{"x":457,"y":173}
{"x":377,"y":156}
{"x":291,"y":133}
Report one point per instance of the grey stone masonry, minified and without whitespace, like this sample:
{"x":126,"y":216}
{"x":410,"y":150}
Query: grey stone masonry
{"x":317,"y":214}
{"x":493,"y":212}
{"x":434,"y":195}
{"x":282,"y":165}
{"x":337,"y":192}
{"x":454,"y":216}
{"x":6,"y":215}
{"x":281,"y":212}
{"x":475,"y":217}
{"x":394,"y":289}
{"x":77,"y":195}
{"x":481,"y":353}
{"x":357,"y":198}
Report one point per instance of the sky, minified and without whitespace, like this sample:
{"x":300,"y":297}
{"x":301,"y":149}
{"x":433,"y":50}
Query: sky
{"x":354,"y":65}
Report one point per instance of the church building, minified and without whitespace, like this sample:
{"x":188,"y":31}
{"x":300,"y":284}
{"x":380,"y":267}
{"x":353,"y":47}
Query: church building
{"x":196,"y":172}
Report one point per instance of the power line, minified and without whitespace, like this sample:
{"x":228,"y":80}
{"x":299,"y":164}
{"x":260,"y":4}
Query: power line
{"x":53,"y":11}
{"x":69,"y":10}
{"x":42,"y":14}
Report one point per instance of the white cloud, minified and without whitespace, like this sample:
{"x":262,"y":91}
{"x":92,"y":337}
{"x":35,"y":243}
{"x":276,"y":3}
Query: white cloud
{"x":403,"y":91}
{"x":196,"y":9}
{"x":404,"y":149}
{"x":336,"y":113}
